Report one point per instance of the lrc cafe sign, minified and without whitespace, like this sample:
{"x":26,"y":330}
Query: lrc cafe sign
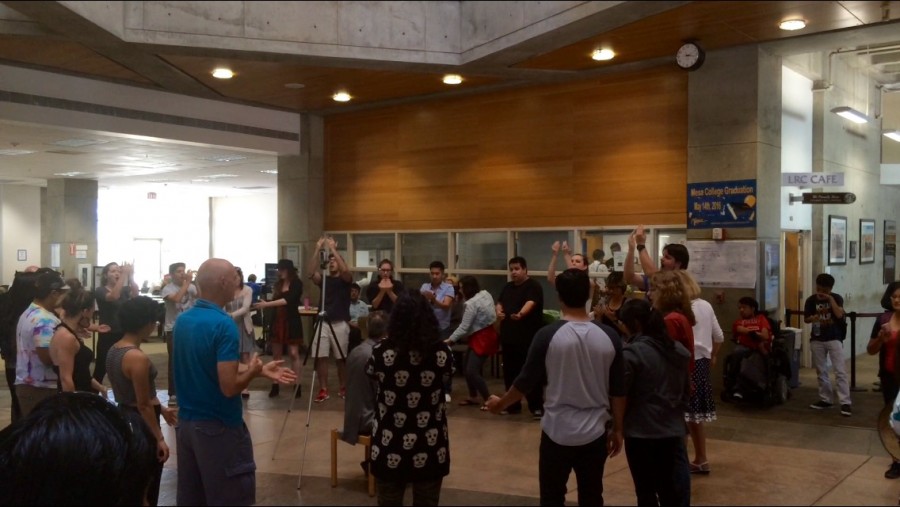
{"x":812,"y":179}
{"x":721,"y":204}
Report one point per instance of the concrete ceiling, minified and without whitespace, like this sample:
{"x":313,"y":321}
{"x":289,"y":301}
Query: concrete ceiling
{"x":51,"y":36}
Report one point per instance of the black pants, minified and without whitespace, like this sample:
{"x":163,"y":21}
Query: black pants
{"x":153,"y":487}
{"x":557,"y":461}
{"x":733,"y":367}
{"x":659,"y":468}
{"x":16,"y":411}
{"x":514,"y":355}
{"x":104,"y":342}
{"x":424,"y":492}
{"x":169,"y":346}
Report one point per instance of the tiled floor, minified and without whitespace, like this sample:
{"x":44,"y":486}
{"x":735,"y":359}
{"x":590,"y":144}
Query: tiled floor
{"x":788,"y":455}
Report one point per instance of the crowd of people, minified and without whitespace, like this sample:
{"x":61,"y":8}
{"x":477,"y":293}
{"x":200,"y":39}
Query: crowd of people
{"x":614,"y":373}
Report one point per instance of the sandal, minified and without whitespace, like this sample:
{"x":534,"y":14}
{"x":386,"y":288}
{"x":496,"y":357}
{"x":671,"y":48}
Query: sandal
{"x":702,"y":468}
{"x":467,"y":402}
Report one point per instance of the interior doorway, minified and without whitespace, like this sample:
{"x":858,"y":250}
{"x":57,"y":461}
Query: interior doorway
{"x":792,"y":288}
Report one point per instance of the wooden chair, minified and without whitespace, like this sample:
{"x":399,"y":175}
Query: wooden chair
{"x":364,"y":440}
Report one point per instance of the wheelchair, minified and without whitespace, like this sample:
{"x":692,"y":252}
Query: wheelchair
{"x":760,"y":378}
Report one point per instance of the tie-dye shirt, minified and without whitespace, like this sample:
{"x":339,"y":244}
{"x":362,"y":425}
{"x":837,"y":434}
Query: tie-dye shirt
{"x":35,"y":329}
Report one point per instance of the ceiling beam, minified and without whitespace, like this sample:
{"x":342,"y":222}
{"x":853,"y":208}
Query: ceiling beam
{"x":57,"y":18}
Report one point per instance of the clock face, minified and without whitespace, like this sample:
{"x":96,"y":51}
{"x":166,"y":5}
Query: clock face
{"x":689,"y":56}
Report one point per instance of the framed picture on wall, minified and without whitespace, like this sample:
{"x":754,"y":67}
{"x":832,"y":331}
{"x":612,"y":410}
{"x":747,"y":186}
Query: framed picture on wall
{"x":866,"y":241}
{"x":837,"y":240}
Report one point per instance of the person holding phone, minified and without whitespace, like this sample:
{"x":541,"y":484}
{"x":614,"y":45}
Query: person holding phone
{"x":884,"y":343}
{"x":825,"y":311}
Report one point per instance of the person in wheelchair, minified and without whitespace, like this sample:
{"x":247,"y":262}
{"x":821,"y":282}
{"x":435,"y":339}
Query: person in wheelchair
{"x":753,"y":334}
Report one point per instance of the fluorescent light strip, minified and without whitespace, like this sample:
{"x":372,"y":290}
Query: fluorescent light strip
{"x":851,"y":114}
{"x":892,"y":134}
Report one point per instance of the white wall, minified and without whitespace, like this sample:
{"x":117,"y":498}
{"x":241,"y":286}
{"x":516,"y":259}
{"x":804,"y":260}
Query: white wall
{"x":180,"y":219}
{"x":245,"y":231}
{"x":20,"y":228}
{"x":796,"y":144}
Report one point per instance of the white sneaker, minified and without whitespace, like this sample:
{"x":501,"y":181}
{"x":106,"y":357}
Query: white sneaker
{"x":447,"y":398}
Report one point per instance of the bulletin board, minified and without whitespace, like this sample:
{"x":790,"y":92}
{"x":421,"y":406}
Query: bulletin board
{"x":732,"y":264}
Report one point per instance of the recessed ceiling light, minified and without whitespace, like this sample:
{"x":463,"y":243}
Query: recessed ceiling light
{"x":200,"y":180}
{"x":452,"y":79}
{"x":792,"y":24}
{"x":341,"y":97}
{"x":892,"y":134}
{"x":295,"y":86}
{"x":69,"y":174}
{"x":269,"y":171}
{"x":222,"y":73}
{"x":15,"y":152}
{"x":603,"y":54}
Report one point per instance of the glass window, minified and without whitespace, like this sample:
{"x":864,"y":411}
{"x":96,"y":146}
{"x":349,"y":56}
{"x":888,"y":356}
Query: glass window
{"x":370,"y":249}
{"x":414,"y":280}
{"x":481,"y":250}
{"x":536,"y":248}
{"x":419,"y":250}
{"x":491,"y":283}
{"x":613,"y":244}
{"x":669,"y":237}
{"x":551,"y":300}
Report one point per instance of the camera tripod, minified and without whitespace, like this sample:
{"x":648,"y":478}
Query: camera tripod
{"x":321,"y":321}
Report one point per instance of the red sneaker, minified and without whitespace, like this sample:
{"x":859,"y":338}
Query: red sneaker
{"x":322,"y":396}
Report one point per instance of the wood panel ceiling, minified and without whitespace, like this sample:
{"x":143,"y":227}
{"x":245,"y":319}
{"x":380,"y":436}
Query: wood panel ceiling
{"x":261,"y":79}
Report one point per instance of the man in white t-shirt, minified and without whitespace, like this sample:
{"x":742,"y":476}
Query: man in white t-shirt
{"x":179,"y":295}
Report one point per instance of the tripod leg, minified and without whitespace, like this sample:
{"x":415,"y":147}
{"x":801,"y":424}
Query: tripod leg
{"x":294,"y":398}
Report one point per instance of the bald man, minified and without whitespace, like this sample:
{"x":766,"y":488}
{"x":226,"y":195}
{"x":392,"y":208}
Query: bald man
{"x":215,"y":454}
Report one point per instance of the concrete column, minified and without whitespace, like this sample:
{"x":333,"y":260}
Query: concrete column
{"x":734,"y":133}
{"x":301,"y":200}
{"x":69,"y":216}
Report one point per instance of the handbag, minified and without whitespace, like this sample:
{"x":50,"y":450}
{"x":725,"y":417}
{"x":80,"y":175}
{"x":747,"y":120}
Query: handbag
{"x":485,"y":342}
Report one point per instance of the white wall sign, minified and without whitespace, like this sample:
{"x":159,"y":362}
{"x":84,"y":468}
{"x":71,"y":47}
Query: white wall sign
{"x":812,"y":179}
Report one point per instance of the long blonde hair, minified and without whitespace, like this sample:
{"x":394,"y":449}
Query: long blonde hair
{"x":670,"y":294}
{"x":689,"y":283}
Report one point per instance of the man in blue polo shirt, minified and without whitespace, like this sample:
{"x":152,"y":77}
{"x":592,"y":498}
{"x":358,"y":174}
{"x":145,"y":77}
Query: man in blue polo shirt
{"x":215,"y":453}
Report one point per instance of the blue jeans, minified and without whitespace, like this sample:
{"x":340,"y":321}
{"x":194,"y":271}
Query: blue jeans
{"x":659,"y":468}
{"x":476,"y":383}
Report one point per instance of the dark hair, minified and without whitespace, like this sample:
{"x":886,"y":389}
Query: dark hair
{"x":412,"y":323}
{"x":378,"y":323}
{"x":437,"y":264}
{"x":355,"y":285}
{"x":749,"y":301}
{"x":518,"y":260}
{"x":135,"y":313}
{"x":174,"y":267}
{"x":678,"y":252}
{"x":616,"y":278}
{"x":76,"y":449}
{"x":104,"y":275}
{"x":386,"y":261}
{"x":251,"y":278}
{"x":597,"y":254}
{"x":290,"y":275}
{"x":638,"y":313}
{"x":240,"y":273}
{"x":21,"y":293}
{"x":886,"y":299}
{"x":77,"y":300}
{"x":825,"y":280}
{"x":469,"y":286}
{"x":573,"y":287}
{"x":615,"y":247}
{"x":48,"y":281}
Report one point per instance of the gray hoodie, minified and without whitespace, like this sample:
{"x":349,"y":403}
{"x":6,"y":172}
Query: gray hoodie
{"x":657,"y":386}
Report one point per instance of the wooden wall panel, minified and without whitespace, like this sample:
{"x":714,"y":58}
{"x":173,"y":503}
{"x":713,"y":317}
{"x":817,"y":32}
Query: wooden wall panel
{"x":591,"y":153}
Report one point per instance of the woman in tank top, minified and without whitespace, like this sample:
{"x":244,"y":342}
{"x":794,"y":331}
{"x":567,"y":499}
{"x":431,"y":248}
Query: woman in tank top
{"x":71,"y":358}
{"x":133,"y":377}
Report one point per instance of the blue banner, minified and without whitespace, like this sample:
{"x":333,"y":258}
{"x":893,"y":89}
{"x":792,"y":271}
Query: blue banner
{"x":721,"y":204}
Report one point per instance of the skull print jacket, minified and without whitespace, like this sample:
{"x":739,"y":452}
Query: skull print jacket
{"x":410,"y":441}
